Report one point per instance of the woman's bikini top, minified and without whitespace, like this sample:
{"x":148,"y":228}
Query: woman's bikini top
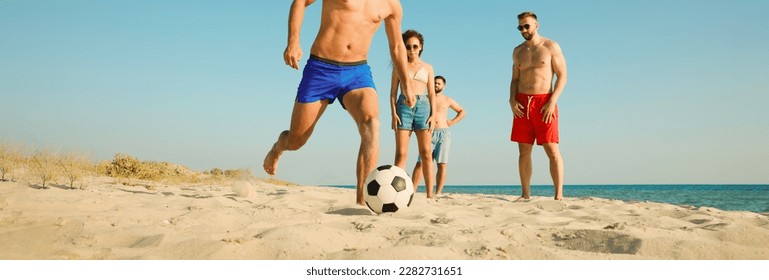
{"x":420,"y":75}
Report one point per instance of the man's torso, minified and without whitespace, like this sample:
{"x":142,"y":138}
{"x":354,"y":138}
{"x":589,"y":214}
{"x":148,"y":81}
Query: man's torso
{"x":347,"y":28}
{"x":535,"y":68}
{"x":442,"y":104}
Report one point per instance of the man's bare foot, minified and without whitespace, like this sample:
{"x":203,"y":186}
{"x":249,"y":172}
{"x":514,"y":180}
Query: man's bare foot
{"x":522,"y":198}
{"x":271,"y":162}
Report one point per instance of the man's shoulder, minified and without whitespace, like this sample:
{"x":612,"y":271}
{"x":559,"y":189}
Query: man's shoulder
{"x":550,"y":43}
{"x":444,"y":98}
{"x":392,"y":7}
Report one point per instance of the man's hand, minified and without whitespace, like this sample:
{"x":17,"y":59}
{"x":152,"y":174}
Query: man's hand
{"x":548,"y":112}
{"x":517,"y":109}
{"x":408,"y":94}
{"x":292,"y":55}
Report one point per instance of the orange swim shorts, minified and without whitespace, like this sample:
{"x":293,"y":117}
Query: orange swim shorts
{"x":530,"y":127}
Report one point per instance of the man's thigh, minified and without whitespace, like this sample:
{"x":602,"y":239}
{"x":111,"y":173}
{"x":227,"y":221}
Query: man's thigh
{"x":362,"y":103}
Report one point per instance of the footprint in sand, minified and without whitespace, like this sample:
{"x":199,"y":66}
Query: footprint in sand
{"x":441,"y":220}
{"x":350,"y":212}
{"x":478,"y":252}
{"x":699,"y":221}
{"x":597,"y":241}
{"x":363,"y":227}
{"x":715,"y":227}
{"x":551,"y":205}
{"x":148,"y":241}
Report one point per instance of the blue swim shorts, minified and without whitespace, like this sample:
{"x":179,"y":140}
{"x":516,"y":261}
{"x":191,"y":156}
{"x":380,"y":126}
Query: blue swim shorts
{"x":328,"y":79}
{"x":441,"y":145}
{"x":413,"y":118}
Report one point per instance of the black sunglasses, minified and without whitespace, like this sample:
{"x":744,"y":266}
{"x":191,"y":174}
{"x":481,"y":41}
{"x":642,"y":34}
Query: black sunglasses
{"x":410,"y":47}
{"x":525,"y":26}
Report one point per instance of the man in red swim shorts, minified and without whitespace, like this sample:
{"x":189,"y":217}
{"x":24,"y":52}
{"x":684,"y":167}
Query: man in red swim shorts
{"x":533,"y":99}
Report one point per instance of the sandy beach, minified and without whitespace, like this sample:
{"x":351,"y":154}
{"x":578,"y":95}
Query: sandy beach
{"x":261,"y":219}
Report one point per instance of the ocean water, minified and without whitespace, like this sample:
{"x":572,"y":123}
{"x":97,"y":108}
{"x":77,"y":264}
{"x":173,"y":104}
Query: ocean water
{"x":754,"y":198}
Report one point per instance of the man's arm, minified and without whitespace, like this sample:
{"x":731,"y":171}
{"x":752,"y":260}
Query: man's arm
{"x":559,"y":70}
{"x":394,"y":99}
{"x":398,"y":49}
{"x":460,"y":112}
{"x":293,"y":51}
{"x":514,"y":105}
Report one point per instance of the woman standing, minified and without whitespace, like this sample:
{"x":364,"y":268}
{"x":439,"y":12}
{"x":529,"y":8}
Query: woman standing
{"x":417,"y":119}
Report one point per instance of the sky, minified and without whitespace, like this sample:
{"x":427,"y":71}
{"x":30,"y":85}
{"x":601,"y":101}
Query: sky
{"x":659,"y":92}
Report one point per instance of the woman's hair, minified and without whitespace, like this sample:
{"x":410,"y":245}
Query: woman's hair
{"x":413,"y":33}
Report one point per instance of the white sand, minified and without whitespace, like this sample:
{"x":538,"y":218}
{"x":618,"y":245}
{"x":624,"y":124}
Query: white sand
{"x":264,"y":219}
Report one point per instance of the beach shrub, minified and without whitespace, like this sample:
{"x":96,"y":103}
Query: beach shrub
{"x":122,"y":166}
{"x":43,"y":166}
{"x":216,"y":172}
{"x":11,"y":159}
{"x":238,"y":173}
{"x":125,"y":166}
{"x":75,"y":166}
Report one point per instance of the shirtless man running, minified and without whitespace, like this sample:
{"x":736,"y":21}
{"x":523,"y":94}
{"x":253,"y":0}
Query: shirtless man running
{"x":533,"y":99}
{"x":337,"y":69}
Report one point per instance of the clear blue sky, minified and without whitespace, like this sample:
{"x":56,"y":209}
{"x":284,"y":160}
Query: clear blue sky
{"x":658,"y":91}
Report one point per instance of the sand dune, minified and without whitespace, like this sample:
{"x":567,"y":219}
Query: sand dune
{"x":263,"y":219}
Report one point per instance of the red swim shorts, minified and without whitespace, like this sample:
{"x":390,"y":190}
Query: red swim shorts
{"x":530,"y":127}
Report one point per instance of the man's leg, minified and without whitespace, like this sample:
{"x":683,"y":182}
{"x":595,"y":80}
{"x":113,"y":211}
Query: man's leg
{"x":556,"y":168}
{"x":416,"y":175}
{"x":524,"y":168}
{"x":303,"y":120}
{"x":440,"y":178}
{"x":424,"y":144}
{"x":363,"y":106}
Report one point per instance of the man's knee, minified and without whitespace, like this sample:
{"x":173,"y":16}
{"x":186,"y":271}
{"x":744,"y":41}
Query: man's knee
{"x":553,"y":156}
{"x":552,"y":151}
{"x":368,"y":127}
{"x":369,"y":121}
{"x":524,"y":153}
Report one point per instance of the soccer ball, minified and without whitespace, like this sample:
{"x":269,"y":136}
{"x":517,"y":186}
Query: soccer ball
{"x":388,"y":189}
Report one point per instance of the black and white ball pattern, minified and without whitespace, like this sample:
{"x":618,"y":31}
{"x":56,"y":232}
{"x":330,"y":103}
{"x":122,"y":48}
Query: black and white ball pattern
{"x":388,"y":189}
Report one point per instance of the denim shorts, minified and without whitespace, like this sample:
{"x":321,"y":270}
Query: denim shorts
{"x":413,"y":118}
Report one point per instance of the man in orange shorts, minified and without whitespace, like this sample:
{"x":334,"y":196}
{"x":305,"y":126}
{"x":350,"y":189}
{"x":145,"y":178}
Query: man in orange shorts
{"x":533,"y":100}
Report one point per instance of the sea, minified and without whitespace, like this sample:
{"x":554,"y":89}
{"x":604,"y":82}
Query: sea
{"x":732,"y":197}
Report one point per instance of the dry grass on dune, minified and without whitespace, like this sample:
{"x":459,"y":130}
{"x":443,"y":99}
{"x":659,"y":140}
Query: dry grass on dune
{"x":45,"y":167}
